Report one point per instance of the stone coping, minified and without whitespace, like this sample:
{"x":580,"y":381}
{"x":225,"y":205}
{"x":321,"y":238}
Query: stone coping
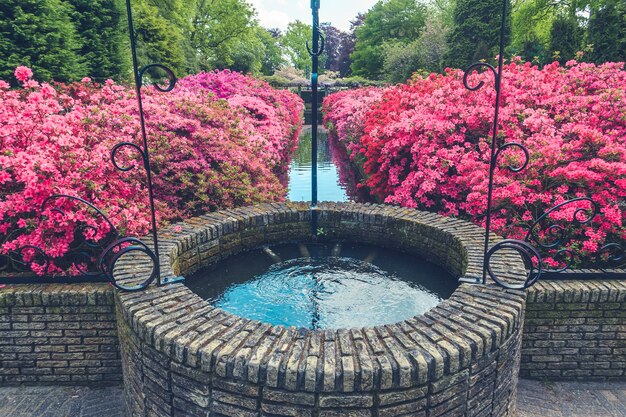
{"x":474,"y":322}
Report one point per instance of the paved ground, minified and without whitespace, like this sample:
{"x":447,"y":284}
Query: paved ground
{"x":61,"y":402}
{"x":571,"y":399}
{"x":535,"y":399}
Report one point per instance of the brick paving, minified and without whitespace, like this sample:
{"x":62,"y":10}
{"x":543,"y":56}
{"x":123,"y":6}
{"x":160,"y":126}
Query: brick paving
{"x":51,"y":401}
{"x":571,"y":399}
{"x":535,"y":399}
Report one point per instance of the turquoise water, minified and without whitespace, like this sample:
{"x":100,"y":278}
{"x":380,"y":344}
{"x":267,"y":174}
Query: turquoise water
{"x":324,"y":286}
{"x":329,"y":187}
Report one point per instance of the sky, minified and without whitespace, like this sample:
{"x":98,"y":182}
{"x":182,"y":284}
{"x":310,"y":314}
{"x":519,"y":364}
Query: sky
{"x":278,"y":13}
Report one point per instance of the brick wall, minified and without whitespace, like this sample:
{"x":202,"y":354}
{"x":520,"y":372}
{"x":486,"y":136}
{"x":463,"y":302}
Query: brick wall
{"x":575,"y":330}
{"x":58,"y":334}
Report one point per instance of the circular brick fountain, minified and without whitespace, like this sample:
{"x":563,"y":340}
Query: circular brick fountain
{"x":181,"y":356}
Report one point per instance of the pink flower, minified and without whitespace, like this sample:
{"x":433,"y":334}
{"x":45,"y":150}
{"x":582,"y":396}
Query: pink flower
{"x":56,"y":139}
{"x":86,"y":80}
{"x":426,"y":145}
{"x":23,"y":73}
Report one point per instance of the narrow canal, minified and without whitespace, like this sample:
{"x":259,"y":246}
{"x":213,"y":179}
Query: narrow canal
{"x":329,"y":187}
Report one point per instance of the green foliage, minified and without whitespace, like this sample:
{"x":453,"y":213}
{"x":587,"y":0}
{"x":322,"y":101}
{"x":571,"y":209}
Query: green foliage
{"x":103,"y":37}
{"x":531,"y":24}
{"x":400,"y":61}
{"x":566,"y":38}
{"x":294,"y":46}
{"x":426,"y":53}
{"x":606,"y":32}
{"x":272,"y":53}
{"x":476,"y":34}
{"x":158,"y":39}
{"x":218,"y":34}
{"x":388,"y":21}
{"x":40,"y":35}
{"x":533,"y":50}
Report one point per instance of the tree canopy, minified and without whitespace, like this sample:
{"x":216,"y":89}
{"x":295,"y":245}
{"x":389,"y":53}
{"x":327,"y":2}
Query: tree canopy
{"x":39,"y":34}
{"x":387,"y":21}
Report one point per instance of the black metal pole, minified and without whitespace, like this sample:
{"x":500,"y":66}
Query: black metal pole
{"x":494,"y":137}
{"x":315,"y":6}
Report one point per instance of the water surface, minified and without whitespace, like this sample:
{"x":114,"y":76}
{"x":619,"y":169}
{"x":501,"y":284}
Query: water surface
{"x":329,"y":187}
{"x":324,"y":286}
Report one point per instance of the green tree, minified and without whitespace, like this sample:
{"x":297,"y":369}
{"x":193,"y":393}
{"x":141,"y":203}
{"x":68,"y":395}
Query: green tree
{"x":400,"y":61}
{"x":272,"y":53}
{"x":159,"y":40}
{"x":476,"y":32}
{"x":388,"y":21}
{"x":426,"y":53}
{"x":606,"y":32}
{"x":218,"y":29}
{"x":294,"y":46}
{"x":531,"y":24}
{"x":40,"y":35}
{"x":245,"y":55}
{"x":103,"y":37}
{"x":566,"y":38}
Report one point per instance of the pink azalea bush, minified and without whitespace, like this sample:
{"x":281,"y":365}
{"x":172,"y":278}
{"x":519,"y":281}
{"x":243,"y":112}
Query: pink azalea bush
{"x":426,"y":145}
{"x":217,"y":140}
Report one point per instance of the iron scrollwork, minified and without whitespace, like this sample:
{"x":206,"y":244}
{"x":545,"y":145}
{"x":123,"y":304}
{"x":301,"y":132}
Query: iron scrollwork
{"x":117,"y":249}
{"x":97,"y":260}
{"x":553,"y":238}
{"x":531,"y":257}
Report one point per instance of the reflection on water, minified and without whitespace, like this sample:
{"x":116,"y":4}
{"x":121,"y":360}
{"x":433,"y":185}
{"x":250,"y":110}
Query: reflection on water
{"x":329,"y":187}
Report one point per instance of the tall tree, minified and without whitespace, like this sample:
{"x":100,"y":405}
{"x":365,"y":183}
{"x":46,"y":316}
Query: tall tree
{"x":39,"y":34}
{"x":218,"y":28}
{"x":476,"y":31}
{"x":158,"y":39}
{"x":294,"y":45}
{"x":387,"y":21}
{"x":334,"y":41}
{"x":347,"y":46}
{"x":426,"y":53}
{"x":272,"y":54}
{"x":98,"y":24}
{"x":606,"y":32}
{"x":566,"y":38}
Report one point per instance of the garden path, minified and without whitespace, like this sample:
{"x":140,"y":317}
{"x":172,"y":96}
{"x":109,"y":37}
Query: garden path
{"x":535,"y":399}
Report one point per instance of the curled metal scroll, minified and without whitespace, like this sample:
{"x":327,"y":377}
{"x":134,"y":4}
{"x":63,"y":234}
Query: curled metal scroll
{"x":509,"y":145}
{"x":172,"y":80}
{"x":84,"y":252}
{"x":611,"y":255}
{"x":530,"y":256}
{"x":555,"y":236}
{"x":19,"y":260}
{"x":120,"y":146}
{"x":527,"y":252}
{"x":476,"y":66}
{"x":116,"y":250}
{"x":320,"y":49}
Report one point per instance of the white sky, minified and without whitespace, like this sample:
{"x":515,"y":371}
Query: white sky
{"x":278,"y":13}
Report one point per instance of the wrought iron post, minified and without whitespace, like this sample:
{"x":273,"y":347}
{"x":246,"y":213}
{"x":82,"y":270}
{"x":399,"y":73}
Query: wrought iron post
{"x":315,"y":51}
{"x":529,"y":253}
{"x":145,"y":152}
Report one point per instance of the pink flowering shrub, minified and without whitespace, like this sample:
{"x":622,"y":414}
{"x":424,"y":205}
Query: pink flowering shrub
{"x":210,"y":147}
{"x":426,"y":145}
